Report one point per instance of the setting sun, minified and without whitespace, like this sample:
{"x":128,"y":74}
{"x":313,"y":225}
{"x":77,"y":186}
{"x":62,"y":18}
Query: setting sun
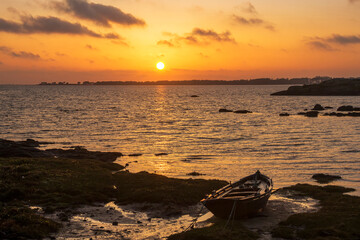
{"x":160,"y":65}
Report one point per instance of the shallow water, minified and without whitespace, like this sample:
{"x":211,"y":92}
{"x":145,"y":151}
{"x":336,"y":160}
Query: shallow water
{"x":155,"y":119}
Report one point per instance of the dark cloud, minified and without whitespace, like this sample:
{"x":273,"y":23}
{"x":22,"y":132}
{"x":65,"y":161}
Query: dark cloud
{"x":344,"y":40}
{"x":253,"y":22}
{"x":21,"y":54}
{"x":49,"y":25}
{"x":210,"y":34}
{"x":335,"y":39}
{"x":320,"y":45}
{"x":197,"y":36}
{"x":98,"y":13}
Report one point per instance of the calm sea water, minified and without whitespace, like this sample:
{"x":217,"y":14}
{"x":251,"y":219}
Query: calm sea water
{"x":155,"y":119}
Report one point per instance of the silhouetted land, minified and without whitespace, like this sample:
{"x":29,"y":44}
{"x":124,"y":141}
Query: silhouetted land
{"x":259,"y":81}
{"x":333,"y":87}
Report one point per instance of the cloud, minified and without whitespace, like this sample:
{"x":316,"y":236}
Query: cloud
{"x":354,"y":1}
{"x":197,"y":36}
{"x":95,"y":12}
{"x":165,"y":42}
{"x":27,"y":55}
{"x":249,"y":8}
{"x":320,"y":45}
{"x":326,"y":43}
{"x":49,"y":25}
{"x":344,"y":40}
{"x":253,"y":22}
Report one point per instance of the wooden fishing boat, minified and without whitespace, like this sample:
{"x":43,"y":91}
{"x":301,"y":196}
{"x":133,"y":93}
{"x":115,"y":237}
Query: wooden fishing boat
{"x":240,"y":199}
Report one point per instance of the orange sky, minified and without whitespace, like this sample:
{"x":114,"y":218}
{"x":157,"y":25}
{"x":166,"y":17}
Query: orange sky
{"x":111,"y":40}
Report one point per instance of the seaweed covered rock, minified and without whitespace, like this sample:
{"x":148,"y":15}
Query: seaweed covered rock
{"x":325,"y":178}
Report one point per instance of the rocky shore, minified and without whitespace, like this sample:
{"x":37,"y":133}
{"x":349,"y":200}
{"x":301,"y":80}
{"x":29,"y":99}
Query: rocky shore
{"x":333,"y":87}
{"x":77,"y":193}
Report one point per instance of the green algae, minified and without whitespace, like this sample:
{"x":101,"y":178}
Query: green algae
{"x":217,"y":231}
{"x":337,"y":218}
{"x":63,"y":184}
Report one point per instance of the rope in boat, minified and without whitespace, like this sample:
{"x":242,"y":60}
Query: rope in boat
{"x":232,"y":214}
{"x":192,"y":225}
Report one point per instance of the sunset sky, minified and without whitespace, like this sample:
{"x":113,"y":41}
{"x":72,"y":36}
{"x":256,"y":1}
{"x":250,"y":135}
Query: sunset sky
{"x":122,"y":40}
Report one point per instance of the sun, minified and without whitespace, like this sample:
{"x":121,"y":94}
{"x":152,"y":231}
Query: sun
{"x":160,"y":65}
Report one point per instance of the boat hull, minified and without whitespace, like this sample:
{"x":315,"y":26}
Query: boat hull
{"x":223,"y":208}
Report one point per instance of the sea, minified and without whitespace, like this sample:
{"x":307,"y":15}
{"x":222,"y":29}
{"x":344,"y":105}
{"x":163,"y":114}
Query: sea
{"x":190,"y":131}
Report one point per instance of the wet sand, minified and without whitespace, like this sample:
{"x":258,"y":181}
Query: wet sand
{"x":154,"y":221}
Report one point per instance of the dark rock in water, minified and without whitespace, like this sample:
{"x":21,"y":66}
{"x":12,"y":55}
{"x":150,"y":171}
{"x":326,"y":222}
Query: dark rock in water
{"x":312,"y":114}
{"x":284,"y":114}
{"x":194,"y":96}
{"x":26,"y":149}
{"x":224,"y":110}
{"x":301,"y":113}
{"x":82,"y":153}
{"x":325,"y":178}
{"x":348,"y":108}
{"x":115,"y":223}
{"x":161,"y":154}
{"x":195,"y":174}
{"x":350,"y":114}
{"x":345,"y":108}
{"x":21,"y":149}
{"x":135,"y":155}
{"x":327,"y":107}
{"x":333,"y":87}
{"x":318,"y":107}
{"x":243,"y":111}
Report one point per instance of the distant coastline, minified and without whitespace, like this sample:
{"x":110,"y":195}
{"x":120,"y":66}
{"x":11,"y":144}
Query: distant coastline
{"x":258,"y":81}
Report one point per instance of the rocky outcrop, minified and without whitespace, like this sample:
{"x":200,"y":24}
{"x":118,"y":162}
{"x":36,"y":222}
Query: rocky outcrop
{"x":224,"y":110}
{"x":243,"y":111}
{"x":29,"y":148}
{"x":348,"y":108}
{"x":333,"y":87}
{"x":318,"y":107}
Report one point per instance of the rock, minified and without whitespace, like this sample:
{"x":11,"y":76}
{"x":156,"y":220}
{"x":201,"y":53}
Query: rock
{"x":63,"y":217}
{"x":195,"y":174}
{"x":194,"y":96}
{"x":224,"y":110}
{"x":325,"y":178}
{"x":115,"y":223}
{"x":242,"y":111}
{"x":161,"y":154}
{"x":27,"y":149}
{"x":332,"y":87}
{"x":345,"y":108}
{"x":284,"y":114}
{"x":318,"y":107}
{"x":301,"y":113}
{"x":135,"y":155}
{"x":139,"y":222}
{"x":312,"y":114}
{"x":327,"y":107}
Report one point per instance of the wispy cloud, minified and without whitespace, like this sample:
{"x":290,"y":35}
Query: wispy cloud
{"x":354,"y":1}
{"x":249,"y":8}
{"x":49,"y":25}
{"x":95,"y":12}
{"x":253,"y":22}
{"x":328,"y":43}
{"x":197,"y":36}
{"x":22,"y":54}
{"x":318,"y":44}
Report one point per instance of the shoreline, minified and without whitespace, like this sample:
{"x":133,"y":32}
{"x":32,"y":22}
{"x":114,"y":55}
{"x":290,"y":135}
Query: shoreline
{"x":69,"y":186}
